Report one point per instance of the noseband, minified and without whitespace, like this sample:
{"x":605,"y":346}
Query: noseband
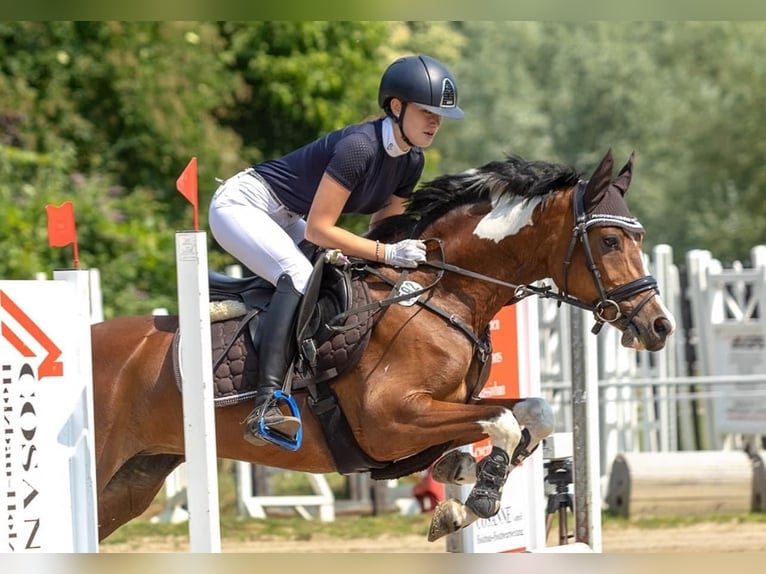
{"x":606,"y":299}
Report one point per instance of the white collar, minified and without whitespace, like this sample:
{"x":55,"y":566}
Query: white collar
{"x":389,"y":141}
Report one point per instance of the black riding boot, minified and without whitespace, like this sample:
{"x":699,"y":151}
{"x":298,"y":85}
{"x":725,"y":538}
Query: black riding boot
{"x":276,"y":350}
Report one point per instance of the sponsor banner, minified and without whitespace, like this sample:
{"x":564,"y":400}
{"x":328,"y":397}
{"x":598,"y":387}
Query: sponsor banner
{"x":739,"y":350}
{"x":43,"y":386}
{"x":520,"y":524}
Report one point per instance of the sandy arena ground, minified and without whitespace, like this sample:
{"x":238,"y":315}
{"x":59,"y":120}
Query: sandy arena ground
{"x":707,"y":537}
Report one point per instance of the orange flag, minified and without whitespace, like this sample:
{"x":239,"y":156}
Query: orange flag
{"x":187,"y":185}
{"x":61,"y":230}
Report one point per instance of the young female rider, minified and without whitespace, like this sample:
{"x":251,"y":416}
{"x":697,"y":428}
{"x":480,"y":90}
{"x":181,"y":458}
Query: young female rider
{"x":369,"y":168}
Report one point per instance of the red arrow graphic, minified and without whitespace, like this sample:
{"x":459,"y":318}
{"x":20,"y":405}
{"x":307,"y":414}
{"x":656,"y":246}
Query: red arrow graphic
{"x":51,"y":366}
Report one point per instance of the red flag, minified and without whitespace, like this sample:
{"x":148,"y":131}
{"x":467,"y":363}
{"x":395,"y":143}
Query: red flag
{"x":61,"y":230}
{"x":187,"y":185}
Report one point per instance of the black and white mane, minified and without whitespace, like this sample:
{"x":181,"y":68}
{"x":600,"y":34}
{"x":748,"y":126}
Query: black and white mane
{"x":514,"y":175}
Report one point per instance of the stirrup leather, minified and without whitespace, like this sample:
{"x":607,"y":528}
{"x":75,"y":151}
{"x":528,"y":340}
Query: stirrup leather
{"x":260,"y":429}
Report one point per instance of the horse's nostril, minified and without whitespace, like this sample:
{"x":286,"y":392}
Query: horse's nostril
{"x":663,"y":327}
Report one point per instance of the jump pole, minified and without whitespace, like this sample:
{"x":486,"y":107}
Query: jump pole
{"x":585,"y":435}
{"x":195,"y":358}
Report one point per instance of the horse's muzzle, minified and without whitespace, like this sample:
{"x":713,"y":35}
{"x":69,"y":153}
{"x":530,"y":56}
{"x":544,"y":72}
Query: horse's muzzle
{"x":649,"y":336}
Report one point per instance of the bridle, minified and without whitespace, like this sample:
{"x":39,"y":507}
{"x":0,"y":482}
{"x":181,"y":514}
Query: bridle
{"x":606,"y":299}
{"x":583,"y":221}
{"x":611,"y":299}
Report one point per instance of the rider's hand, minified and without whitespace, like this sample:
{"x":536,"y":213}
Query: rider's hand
{"x":406,"y":253}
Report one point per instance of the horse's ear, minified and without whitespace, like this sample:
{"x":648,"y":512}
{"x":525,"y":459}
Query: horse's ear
{"x":599,"y":181}
{"x":622,"y":181}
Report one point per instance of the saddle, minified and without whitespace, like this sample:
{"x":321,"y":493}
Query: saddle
{"x":324,"y":351}
{"x":334,"y":326}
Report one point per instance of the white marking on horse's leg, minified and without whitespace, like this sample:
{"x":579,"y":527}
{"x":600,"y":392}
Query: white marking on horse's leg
{"x":536,"y":415}
{"x":504,"y":431}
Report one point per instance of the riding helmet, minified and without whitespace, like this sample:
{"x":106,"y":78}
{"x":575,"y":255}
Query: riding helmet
{"x":422,"y":80}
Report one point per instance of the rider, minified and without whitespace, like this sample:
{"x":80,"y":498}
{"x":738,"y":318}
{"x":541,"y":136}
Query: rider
{"x":262,"y":213}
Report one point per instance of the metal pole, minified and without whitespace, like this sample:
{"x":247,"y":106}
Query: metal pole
{"x":585,"y":433}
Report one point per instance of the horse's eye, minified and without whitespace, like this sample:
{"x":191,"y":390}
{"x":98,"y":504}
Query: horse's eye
{"x":611,"y":242}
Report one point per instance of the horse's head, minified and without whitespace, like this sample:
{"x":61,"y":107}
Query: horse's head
{"x":604,"y":263}
{"x":540,"y":220}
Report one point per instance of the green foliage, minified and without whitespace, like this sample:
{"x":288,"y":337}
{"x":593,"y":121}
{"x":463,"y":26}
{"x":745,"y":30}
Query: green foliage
{"x":124,"y":235}
{"x":108,"y":114}
{"x":135,"y":99}
{"x":301,"y":79}
{"x":686,"y":96}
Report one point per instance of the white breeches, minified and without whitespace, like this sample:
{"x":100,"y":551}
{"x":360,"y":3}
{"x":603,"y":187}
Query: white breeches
{"x":251,"y":224}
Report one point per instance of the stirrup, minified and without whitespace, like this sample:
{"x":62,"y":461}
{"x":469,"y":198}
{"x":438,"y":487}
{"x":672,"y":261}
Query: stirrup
{"x":274,"y":437}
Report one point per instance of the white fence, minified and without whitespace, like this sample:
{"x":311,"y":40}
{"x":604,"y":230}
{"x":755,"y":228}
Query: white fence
{"x":705,"y":390}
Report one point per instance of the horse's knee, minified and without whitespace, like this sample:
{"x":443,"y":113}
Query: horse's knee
{"x":536,"y":415}
{"x":504,"y":431}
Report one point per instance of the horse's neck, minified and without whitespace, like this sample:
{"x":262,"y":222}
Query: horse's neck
{"x":519,"y":258}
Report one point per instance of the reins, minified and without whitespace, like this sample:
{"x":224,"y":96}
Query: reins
{"x":582,"y":223}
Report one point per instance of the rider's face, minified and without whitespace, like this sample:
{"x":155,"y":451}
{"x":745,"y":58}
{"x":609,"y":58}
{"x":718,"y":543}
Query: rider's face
{"x":420,"y":125}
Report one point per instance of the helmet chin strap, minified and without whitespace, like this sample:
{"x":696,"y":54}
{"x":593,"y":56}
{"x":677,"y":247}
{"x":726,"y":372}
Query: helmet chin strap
{"x":400,"y":121}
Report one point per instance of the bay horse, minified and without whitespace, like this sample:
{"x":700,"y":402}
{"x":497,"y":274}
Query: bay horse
{"x":493,"y":234}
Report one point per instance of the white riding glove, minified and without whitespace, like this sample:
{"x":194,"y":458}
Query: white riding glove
{"x":406,"y":253}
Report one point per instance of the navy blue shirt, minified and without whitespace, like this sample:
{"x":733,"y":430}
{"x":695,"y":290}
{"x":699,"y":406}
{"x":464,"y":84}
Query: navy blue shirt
{"x":354,"y":157}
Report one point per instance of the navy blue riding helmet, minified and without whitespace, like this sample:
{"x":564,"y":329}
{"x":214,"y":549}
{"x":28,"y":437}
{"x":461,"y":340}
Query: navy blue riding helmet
{"x":422,"y":80}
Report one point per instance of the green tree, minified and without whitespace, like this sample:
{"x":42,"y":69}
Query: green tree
{"x":135,"y":99}
{"x":301,"y":79}
{"x":137,"y":274}
{"x":686,"y":96}
{"x":717,"y":199}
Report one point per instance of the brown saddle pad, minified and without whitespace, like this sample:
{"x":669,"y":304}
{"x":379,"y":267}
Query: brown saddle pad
{"x":234,"y":374}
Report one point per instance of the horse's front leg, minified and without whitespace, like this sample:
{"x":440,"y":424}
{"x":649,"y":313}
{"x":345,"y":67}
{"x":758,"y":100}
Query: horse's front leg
{"x":536,"y":419}
{"x":491,"y":473}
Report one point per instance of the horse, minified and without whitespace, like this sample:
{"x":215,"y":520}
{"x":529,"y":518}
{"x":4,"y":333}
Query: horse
{"x":494,"y":234}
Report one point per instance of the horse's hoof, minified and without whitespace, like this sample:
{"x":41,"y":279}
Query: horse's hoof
{"x":455,"y":467}
{"x":483,"y":503}
{"x":446,"y":519}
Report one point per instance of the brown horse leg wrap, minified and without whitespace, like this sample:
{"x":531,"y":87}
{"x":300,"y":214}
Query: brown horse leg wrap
{"x":491,"y":473}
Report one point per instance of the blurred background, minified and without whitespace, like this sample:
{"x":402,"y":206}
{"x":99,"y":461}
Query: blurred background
{"x":107,"y":114}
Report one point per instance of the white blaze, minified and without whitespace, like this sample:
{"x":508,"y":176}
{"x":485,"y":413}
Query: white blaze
{"x":509,"y":214}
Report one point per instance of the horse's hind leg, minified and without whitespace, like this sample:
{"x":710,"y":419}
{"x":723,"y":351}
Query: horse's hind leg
{"x":132,"y":489}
